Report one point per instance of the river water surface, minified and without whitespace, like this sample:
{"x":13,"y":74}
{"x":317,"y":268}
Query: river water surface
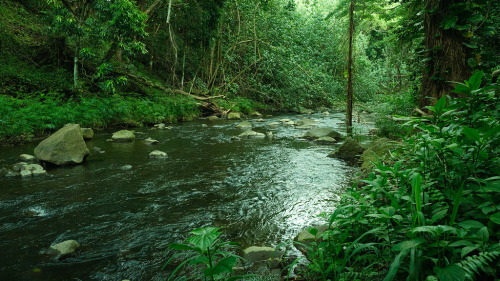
{"x":261,"y":191}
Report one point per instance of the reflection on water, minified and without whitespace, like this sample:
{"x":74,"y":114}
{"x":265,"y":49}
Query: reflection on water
{"x":262,"y":192}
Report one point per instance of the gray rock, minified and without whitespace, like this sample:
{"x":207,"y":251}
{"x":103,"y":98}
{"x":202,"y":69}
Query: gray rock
{"x":32,"y":167}
{"x":65,"y":248}
{"x":37,"y":173}
{"x":27,"y":158}
{"x":123,"y":136}
{"x":157,"y":154}
{"x":233,"y":115}
{"x":25,"y":174}
{"x":244,"y":125}
{"x":151,"y":141}
{"x":249,"y":134}
{"x":273,"y":124}
{"x":305,"y":237}
{"x":285,"y":120}
{"x":326,"y":113}
{"x":306,"y":122}
{"x":213,"y":118}
{"x":256,"y":114}
{"x":316,"y":133}
{"x":349,"y":150}
{"x":260,"y":120}
{"x":19,"y":166}
{"x":87,"y":133}
{"x":66,"y":146}
{"x":204,"y":125}
{"x":126,"y":167}
{"x":235,"y":138}
{"x":326,"y":140}
{"x":289,"y":123}
{"x":263,"y":255}
{"x":269,"y":135}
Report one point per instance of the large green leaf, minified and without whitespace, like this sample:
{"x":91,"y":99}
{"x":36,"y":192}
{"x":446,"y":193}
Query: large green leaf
{"x":495,"y":218}
{"x":472,"y":134}
{"x":393,"y":269}
{"x":475,"y":81}
{"x":451,"y":272}
{"x":405,"y":245}
{"x":224,"y":266}
{"x":204,"y":237}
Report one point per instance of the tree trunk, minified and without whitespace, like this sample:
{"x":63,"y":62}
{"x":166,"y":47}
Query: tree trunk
{"x":75,"y":65}
{"x":349,"y":71}
{"x":447,"y":56}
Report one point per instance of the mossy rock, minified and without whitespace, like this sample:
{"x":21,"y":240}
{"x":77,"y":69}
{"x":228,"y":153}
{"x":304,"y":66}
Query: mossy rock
{"x":378,"y":149}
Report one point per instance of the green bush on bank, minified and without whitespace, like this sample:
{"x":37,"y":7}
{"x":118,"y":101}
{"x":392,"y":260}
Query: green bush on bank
{"x":21,"y":119}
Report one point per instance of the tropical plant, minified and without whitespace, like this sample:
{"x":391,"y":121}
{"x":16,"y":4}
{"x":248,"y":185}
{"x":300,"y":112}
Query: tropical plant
{"x":208,"y":251}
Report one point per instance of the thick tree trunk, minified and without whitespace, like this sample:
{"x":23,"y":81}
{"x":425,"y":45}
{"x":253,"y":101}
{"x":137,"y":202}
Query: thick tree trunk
{"x":349,"y":71}
{"x":447,"y":56}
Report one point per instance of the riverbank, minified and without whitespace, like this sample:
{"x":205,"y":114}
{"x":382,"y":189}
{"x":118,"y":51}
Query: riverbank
{"x":23,"y":119}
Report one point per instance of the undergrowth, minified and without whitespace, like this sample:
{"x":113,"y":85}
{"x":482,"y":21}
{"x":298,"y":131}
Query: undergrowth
{"x":435,"y":213}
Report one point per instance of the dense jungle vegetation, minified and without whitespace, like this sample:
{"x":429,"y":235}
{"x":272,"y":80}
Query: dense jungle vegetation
{"x":430,"y":212}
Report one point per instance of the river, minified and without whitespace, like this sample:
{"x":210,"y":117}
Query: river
{"x":261,"y":191}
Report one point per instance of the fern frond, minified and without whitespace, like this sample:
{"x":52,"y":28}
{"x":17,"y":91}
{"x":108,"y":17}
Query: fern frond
{"x":476,"y":264}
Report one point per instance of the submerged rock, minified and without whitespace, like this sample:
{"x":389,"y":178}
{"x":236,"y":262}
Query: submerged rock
{"x":126,"y":167}
{"x":66,"y":146}
{"x":123,"y":136}
{"x":316,"y":133}
{"x":349,"y":150}
{"x":306,"y":122}
{"x":233,"y":115}
{"x":213,"y":118}
{"x":325,"y":140}
{"x":151,"y":141}
{"x":249,"y":134}
{"x":64,"y":249}
{"x":87,"y":133}
{"x":244,"y":125}
{"x":157,"y":154}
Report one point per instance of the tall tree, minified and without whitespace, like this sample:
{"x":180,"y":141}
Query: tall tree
{"x":446,"y":53}
{"x":349,"y":70}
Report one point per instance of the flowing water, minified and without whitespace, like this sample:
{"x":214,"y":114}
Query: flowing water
{"x":261,"y":191}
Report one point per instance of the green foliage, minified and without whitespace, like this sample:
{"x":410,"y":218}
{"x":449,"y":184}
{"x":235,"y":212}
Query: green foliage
{"x":21,"y":119}
{"x":209,"y":252}
{"x":434,"y":215}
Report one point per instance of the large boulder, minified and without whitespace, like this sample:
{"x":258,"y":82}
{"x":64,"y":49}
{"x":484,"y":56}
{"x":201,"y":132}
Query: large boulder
{"x":349,"y":150}
{"x":316,"y":133}
{"x":379,"y":149}
{"x":123,"y":136}
{"x":233,"y":115}
{"x":64,"y":147}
